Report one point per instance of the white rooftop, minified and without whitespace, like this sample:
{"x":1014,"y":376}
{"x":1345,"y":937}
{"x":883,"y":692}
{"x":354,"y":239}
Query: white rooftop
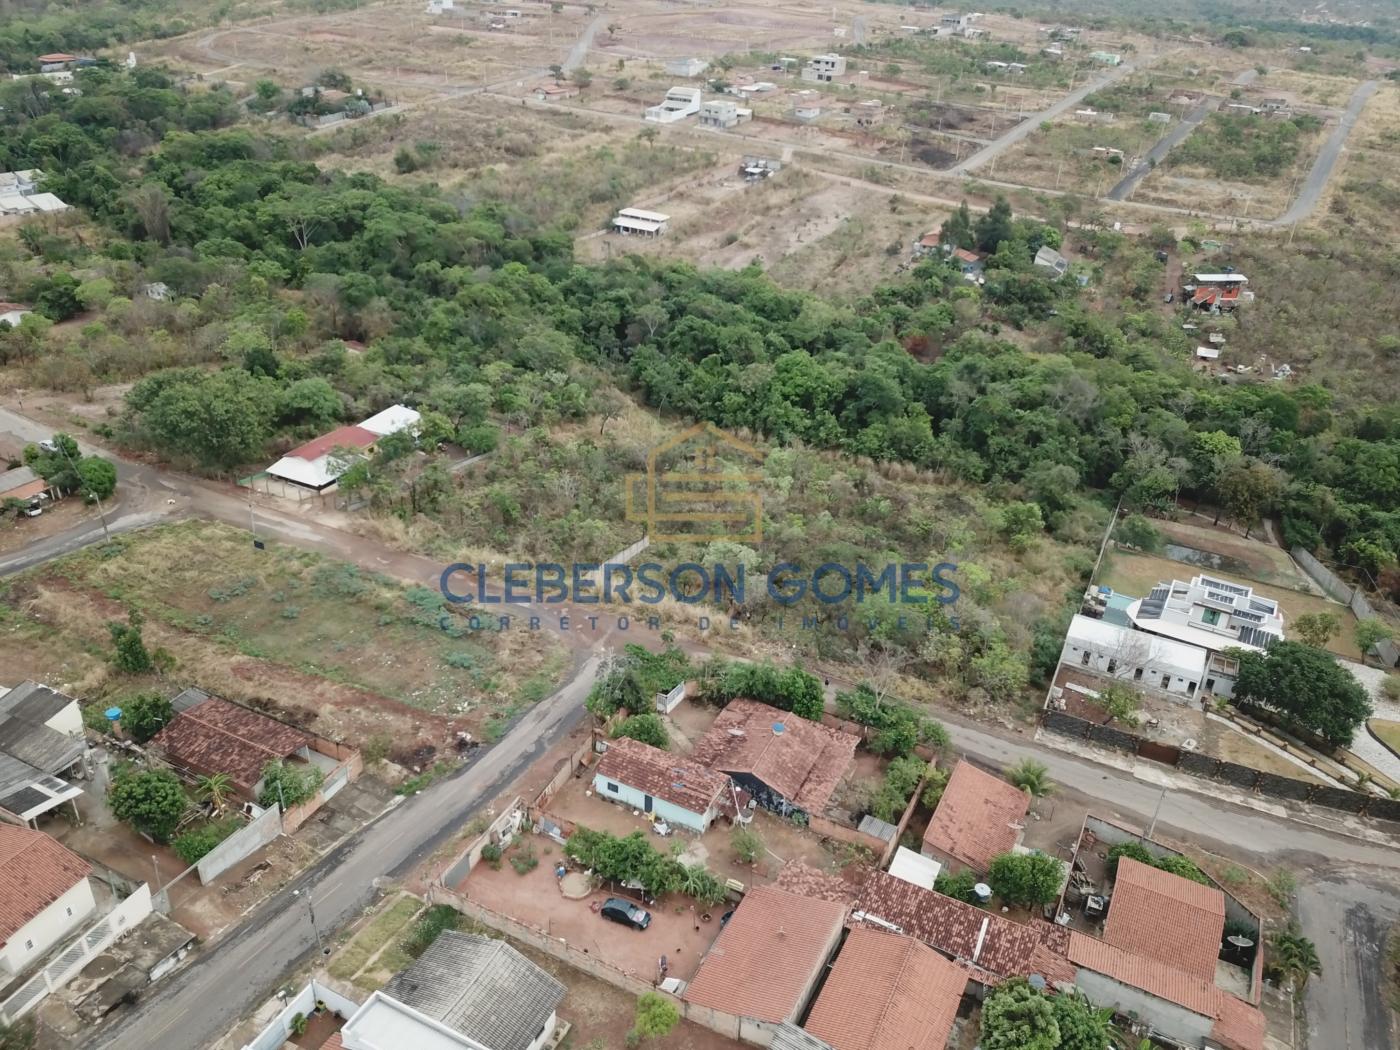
{"x":914,"y":867}
{"x":1220,"y":278}
{"x":1153,"y":648}
{"x":645,"y":225}
{"x":644,"y":215}
{"x":391,"y":420}
{"x":383,"y":1023}
{"x":1209,"y":352}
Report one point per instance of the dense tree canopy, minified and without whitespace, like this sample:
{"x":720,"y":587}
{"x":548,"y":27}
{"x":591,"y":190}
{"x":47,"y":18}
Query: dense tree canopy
{"x":1306,"y":686}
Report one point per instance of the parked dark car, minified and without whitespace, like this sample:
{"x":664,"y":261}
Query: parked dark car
{"x":627,"y":913}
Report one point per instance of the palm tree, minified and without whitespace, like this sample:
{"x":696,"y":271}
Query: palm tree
{"x":215,"y":789}
{"x":1032,"y":777}
{"x":1295,"y":957}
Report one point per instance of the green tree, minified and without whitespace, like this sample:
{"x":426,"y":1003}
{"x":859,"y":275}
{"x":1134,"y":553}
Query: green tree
{"x":656,"y":1016}
{"x":1370,"y":631}
{"x":995,"y":226}
{"x":1136,"y":850}
{"x":647,"y":728}
{"x":1032,"y":777}
{"x":1027,"y":879}
{"x":1017,"y":1017}
{"x":1317,"y":629}
{"x":1306,"y":686}
{"x":959,"y":885}
{"x":1121,"y":702}
{"x":130,"y":654}
{"x":98,"y":477}
{"x":145,"y":715}
{"x":957,"y":231}
{"x":1247,"y":489}
{"x":151,"y":800}
{"x":218,"y":420}
{"x":619,"y":689}
{"x":1021,"y":523}
{"x":288,"y":785}
{"x":1082,"y":1025}
{"x":1137,"y":532}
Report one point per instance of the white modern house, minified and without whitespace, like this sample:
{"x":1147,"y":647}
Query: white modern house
{"x":46,"y":896}
{"x":824,"y":68}
{"x":679,"y":103}
{"x":664,"y":786}
{"x":1213,"y":615}
{"x":1134,"y":657}
{"x":723,"y":113}
{"x":686,"y":67}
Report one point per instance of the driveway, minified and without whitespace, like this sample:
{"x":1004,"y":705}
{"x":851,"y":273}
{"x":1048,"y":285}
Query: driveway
{"x":1021,"y":130}
{"x":1311,"y":191}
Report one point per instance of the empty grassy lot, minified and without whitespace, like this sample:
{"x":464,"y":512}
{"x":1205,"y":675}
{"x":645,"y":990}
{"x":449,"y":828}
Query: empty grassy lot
{"x":352,"y":653}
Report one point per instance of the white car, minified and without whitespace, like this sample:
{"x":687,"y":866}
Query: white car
{"x":33,"y":510}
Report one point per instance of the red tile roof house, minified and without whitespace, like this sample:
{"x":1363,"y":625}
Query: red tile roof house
{"x":887,"y":992}
{"x":763,"y":968}
{"x":788,"y":764}
{"x":662,"y":785}
{"x":978,"y":817}
{"x":216,"y":736}
{"x":45,"y":896}
{"x":987,"y":946}
{"x":1157,"y":960}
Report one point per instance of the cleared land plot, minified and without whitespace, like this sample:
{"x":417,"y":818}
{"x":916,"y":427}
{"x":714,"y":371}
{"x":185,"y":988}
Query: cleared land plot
{"x":1136,"y":574}
{"x":1244,"y":165}
{"x":808,"y":230}
{"x":350,"y":654}
{"x":396,"y":46}
{"x":1071,"y":154}
{"x":1249,"y":558}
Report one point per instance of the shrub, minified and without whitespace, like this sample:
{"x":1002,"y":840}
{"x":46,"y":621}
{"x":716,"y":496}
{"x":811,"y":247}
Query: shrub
{"x":746,"y":843}
{"x":288,"y":785}
{"x":491,"y":854}
{"x":193,"y":845}
{"x":145,"y":715}
{"x":436,"y":919}
{"x":648,"y":728}
{"x":1127,"y":849}
{"x":524,"y":860}
{"x":959,"y":886}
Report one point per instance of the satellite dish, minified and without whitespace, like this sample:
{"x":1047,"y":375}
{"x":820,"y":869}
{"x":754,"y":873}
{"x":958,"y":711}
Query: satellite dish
{"x":1239,"y":941}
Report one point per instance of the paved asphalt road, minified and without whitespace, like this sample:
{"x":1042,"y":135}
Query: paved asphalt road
{"x":1034,"y":120}
{"x":1168,"y":142}
{"x":1351,"y":895}
{"x":1311,"y":190}
{"x":202,"y":1003}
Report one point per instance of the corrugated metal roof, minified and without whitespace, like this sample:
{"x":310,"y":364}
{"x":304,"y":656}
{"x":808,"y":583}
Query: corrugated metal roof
{"x":480,"y":987}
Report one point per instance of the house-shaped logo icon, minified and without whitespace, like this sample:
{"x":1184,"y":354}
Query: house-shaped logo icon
{"x":699,"y":486}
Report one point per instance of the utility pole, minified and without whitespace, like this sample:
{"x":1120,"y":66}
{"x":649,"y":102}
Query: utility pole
{"x":311,"y":913}
{"x":1155,"y":813}
{"x":106,"y":533}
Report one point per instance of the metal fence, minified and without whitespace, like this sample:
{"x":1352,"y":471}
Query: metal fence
{"x":94,"y":940}
{"x":1348,"y":595}
{"x":1246,"y":778}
